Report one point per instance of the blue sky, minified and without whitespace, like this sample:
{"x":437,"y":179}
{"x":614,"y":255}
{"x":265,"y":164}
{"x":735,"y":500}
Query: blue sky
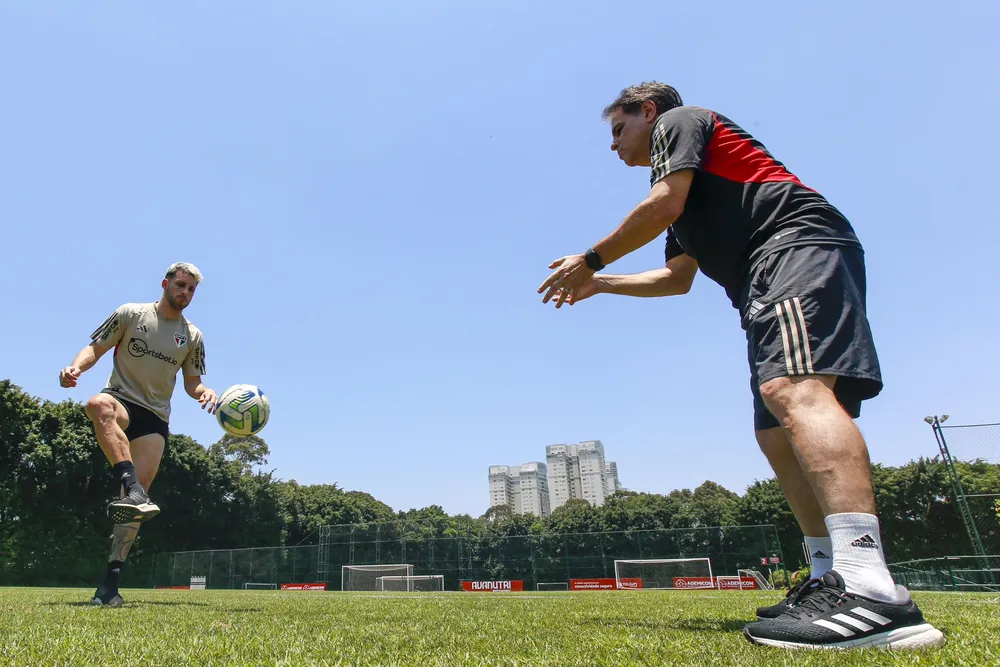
{"x":374,"y":190}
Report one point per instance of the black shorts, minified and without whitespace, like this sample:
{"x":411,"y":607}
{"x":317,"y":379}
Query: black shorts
{"x":141,"y":421}
{"x":804,"y":314}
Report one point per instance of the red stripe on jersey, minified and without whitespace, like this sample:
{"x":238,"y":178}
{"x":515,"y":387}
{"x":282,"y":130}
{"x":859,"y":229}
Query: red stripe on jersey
{"x":734,"y":156}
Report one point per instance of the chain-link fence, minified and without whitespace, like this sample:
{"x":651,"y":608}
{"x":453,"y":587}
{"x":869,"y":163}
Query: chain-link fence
{"x":531,"y":558}
{"x":237,"y":568}
{"x":949,"y":573}
{"x":972,"y":453}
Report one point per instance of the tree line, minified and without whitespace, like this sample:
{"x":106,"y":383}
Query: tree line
{"x":55,"y":481}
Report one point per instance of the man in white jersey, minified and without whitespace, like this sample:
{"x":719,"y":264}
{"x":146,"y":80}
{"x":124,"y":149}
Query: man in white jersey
{"x":131,"y":415}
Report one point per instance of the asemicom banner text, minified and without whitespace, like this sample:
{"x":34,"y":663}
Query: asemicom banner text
{"x":602,"y":584}
{"x":493,"y":586}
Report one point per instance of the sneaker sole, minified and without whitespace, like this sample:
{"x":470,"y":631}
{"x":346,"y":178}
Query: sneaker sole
{"x":125,"y":513}
{"x":116,"y":601}
{"x":913,"y":637}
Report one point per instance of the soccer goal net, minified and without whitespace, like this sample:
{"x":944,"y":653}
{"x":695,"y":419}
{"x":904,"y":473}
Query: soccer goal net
{"x":664,"y":573}
{"x":259,"y":586}
{"x":553,"y":585}
{"x":365,"y":577}
{"x":417,"y":583}
{"x":762,"y":583}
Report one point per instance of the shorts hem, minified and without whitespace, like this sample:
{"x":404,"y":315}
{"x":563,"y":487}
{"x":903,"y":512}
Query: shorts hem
{"x":847,"y":374}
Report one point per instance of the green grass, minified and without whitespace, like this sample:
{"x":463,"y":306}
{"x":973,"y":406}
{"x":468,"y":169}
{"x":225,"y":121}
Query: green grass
{"x":162,"y":627}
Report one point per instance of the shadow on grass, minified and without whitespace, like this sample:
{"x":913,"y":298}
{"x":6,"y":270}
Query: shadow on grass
{"x":681,"y":624}
{"x":138,"y":603}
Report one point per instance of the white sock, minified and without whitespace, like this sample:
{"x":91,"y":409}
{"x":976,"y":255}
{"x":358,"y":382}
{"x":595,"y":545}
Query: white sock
{"x":821,"y":554}
{"x":858,"y":557}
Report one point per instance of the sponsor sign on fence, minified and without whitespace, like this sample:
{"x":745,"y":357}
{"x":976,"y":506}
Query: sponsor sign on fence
{"x":602,"y":584}
{"x":693,"y":582}
{"x":493,"y":586}
{"x":321,"y":586}
{"x":744,"y":583}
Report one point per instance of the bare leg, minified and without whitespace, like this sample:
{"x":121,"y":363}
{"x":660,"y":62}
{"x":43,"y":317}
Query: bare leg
{"x":799,"y":494}
{"x":830,"y":449}
{"x":834,"y":458}
{"x":110,"y":421}
{"x":792,"y":479}
{"x":147,"y":452}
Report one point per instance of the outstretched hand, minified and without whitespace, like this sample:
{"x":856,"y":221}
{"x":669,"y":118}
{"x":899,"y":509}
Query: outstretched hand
{"x":584,"y":291}
{"x":208,"y":399}
{"x":571,"y":274}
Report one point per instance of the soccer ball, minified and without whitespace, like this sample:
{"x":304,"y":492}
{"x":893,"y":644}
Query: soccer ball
{"x":242,"y":409}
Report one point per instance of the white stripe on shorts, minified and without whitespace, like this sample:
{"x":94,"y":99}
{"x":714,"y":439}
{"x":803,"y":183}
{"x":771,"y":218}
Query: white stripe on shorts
{"x":794,"y":337}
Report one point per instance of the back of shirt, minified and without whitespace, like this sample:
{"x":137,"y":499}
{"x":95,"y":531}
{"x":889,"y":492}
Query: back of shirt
{"x":149,"y":349}
{"x":743,"y":204}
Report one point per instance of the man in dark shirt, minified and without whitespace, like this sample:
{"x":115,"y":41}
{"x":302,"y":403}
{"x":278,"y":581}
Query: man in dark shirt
{"x":793,"y":267}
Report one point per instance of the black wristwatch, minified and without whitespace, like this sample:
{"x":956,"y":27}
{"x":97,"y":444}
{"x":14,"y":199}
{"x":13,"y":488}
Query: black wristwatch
{"x":593,"y":259}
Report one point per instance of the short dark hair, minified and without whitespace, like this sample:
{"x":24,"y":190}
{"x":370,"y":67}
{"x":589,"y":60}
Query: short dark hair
{"x":630,"y":99}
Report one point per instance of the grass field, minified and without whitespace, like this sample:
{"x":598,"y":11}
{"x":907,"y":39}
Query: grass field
{"x":163,"y":627}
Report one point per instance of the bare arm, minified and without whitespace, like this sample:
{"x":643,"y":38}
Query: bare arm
{"x":84,"y":360}
{"x":199,"y":392}
{"x":673,"y":279}
{"x":193,"y":386}
{"x":649,"y":219}
{"x":87,"y":357}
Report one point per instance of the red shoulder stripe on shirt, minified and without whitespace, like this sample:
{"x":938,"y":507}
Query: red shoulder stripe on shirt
{"x":735,"y":156}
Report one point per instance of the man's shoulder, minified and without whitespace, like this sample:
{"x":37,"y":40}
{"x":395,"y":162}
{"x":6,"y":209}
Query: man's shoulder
{"x":687,"y":111}
{"x":136,"y":308}
{"x":684,"y":118}
{"x":194,"y":333}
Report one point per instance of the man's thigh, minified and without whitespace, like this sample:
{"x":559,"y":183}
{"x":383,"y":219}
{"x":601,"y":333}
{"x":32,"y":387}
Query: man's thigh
{"x":147,"y":452}
{"x":805,"y":315}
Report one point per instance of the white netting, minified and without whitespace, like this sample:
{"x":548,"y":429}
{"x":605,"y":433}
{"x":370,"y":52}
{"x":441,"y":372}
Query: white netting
{"x":664,"y":573}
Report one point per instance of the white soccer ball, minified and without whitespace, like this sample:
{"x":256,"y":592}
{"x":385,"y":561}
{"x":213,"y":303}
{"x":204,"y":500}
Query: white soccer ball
{"x":243,"y":409}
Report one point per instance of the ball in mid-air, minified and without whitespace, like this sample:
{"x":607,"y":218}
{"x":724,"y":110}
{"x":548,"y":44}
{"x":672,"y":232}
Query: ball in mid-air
{"x":242,"y":410}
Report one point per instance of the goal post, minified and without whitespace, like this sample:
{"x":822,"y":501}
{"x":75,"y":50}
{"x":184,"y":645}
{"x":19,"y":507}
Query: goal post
{"x":416,"y":583}
{"x":365,"y":577}
{"x":259,"y":586}
{"x":664,"y":573}
{"x":762,"y":583}
{"x":553,"y":586}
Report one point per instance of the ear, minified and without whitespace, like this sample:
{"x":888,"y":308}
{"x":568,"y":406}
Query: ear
{"x":164,"y":283}
{"x":649,"y":111}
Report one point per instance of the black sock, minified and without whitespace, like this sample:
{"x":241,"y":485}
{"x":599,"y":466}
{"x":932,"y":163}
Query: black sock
{"x":125,"y":472}
{"x":111,"y":575}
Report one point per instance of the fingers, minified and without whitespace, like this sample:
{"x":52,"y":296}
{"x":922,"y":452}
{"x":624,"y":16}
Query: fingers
{"x":550,"y":284}
{"x":556,"y":263}
{"x":68,"y":376}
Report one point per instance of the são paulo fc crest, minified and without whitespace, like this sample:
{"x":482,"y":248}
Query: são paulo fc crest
{"x":180,"y":339}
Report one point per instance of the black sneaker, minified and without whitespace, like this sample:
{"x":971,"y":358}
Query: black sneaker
{"x":133,"y":506}
{"x":776,"y":610}
{"x":828,"y":617}
{"x":106,"y":598}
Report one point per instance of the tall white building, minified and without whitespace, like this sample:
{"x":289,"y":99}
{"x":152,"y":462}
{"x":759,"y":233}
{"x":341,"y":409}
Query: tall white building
{"x":613,"y":483}
{"x":580,"y":471}
{"x":524,"y":488}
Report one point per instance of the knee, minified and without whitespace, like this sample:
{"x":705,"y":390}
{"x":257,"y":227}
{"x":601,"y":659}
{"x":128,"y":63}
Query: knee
{"x":788,"y":397}
{"x":101,"y":408}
